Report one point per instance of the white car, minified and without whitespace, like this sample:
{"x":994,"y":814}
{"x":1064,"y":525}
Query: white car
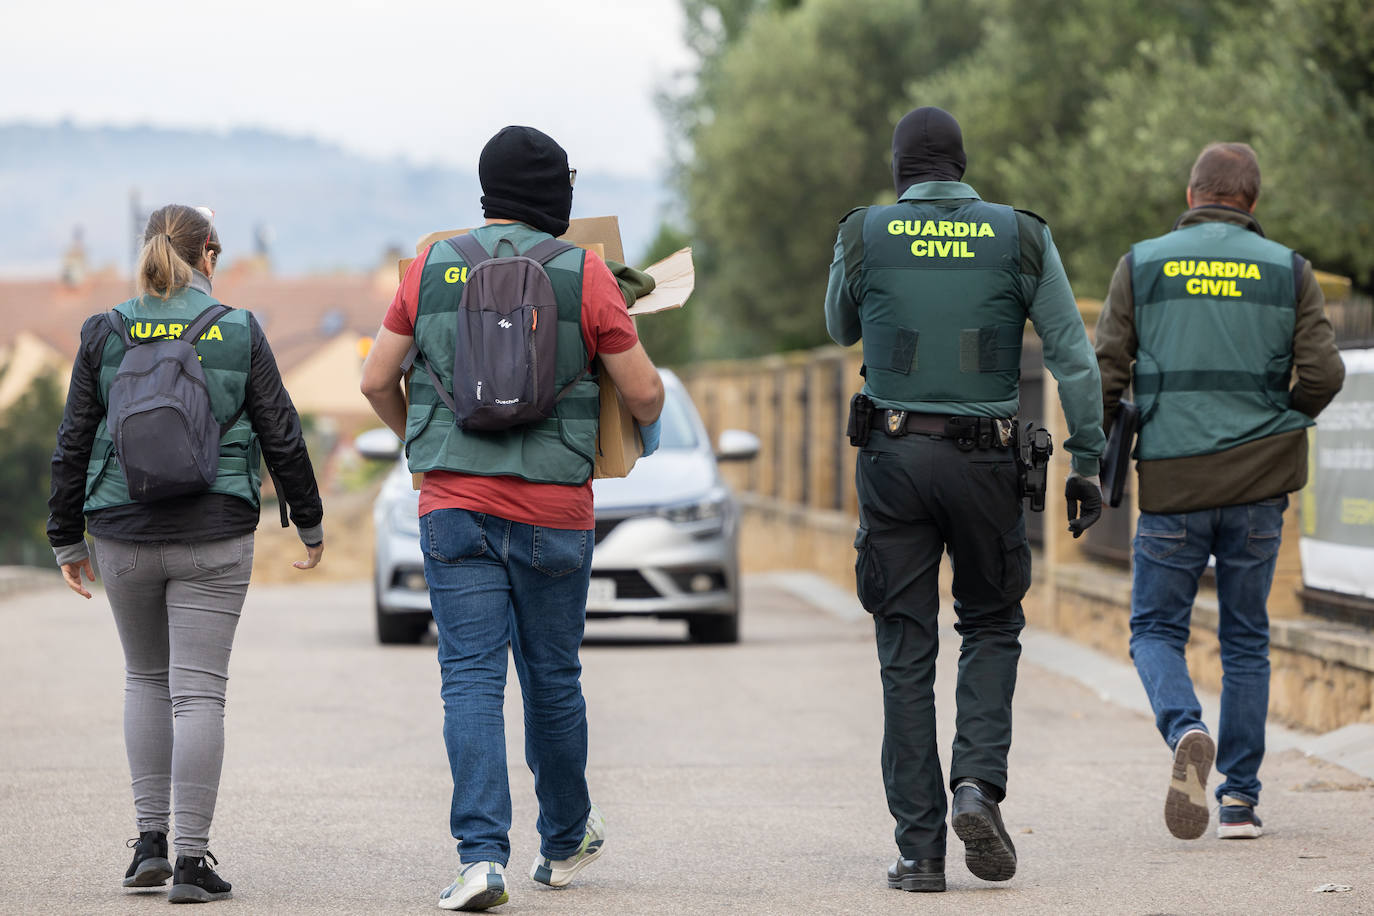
{"x":667,"y":536}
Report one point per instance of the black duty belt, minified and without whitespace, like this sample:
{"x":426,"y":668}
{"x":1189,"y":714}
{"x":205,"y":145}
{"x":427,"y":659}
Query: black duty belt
{"x":967,"y":432}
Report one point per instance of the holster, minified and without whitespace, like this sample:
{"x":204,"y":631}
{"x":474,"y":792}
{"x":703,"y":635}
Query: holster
{"x":861,"y":412}
{"x":1033,"y":448}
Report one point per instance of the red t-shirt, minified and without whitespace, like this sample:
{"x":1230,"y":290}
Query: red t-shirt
{"x":606,"y":328}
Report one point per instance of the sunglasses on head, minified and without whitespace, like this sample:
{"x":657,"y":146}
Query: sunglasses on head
{"x":209,"y":215}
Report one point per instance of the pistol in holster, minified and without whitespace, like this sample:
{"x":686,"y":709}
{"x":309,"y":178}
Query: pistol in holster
{"x":861,"y":412}
{"x":1033,"y":448}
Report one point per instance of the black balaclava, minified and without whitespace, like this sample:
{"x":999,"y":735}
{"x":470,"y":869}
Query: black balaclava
{"x":927,"y":146}
{"x":524,"y":176}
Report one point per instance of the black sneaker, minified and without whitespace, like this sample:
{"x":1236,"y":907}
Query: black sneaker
{"x":150,"y":867}
{"x":917,"y":874}
{"x":988,"y":851}
{"x":196,"y":882}
{"x":1238,"y":820}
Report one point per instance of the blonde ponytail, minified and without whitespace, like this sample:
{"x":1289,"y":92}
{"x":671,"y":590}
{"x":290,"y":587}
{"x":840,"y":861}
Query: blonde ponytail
{"x":176,"y":239}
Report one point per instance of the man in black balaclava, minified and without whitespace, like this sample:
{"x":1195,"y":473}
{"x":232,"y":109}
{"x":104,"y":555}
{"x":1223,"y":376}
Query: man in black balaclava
{"x":938,"y":286}
{"x":500,"y":508}
{"x":525,"y":177}
{"x":927,"y":146}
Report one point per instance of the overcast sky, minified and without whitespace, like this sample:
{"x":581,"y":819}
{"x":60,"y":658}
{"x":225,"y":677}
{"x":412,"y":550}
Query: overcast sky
{"x":425,"y":80}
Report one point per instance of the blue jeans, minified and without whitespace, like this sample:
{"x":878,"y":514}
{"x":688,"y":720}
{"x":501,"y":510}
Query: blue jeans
{"x":493,"y":583}
{"x":1170,"y":555}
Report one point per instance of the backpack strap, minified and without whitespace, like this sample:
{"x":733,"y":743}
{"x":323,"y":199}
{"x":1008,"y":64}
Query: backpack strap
{"x":202,"y":322}
{"x":198,"y":326}
{"x":116,"y":322}
{"x":469,"y":249}
{"x":586,"y":370}
{"x":547,"y":250}
{"x":411,"y":356}
{"x":440,"y":390}
{"x":281,"y":495}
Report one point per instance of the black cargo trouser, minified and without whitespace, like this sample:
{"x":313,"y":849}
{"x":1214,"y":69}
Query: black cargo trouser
{"x":918,"y":496}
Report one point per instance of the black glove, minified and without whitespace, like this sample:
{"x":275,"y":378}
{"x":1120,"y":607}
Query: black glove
{"x":1083,"y":496}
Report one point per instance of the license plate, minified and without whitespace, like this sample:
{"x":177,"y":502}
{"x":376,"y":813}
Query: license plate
{"x":601,"y":591}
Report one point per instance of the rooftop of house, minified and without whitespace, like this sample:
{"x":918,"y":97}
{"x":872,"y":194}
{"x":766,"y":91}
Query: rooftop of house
{"x":300,"y":314}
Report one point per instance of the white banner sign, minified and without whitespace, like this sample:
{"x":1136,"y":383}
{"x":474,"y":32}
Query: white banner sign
{"x":1338,"y":501}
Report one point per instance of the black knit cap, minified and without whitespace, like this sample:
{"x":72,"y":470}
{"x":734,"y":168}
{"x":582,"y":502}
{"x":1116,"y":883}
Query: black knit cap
{"x":524,"y":176}
{"x":927,"y":145}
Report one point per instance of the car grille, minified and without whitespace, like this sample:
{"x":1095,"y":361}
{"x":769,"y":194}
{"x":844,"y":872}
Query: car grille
{"x":605,"y":524}
{"x":629,"y":584}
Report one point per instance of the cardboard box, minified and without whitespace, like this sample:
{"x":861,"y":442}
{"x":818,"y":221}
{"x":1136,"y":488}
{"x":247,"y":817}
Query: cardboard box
{"x":618,"y":444}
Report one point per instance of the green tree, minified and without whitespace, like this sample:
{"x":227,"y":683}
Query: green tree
{"x":28,"y":432}
{"x":1090,"y":112}
{"x":789,"y":129}
{"x":1123,"y":176}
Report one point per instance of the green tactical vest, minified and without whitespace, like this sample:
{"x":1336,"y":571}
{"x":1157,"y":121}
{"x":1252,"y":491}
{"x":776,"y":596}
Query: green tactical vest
{"x":941,"y":303}
{"x":560,"y":449}
{"x":1215,"y":305}
{"x":225,"y":351}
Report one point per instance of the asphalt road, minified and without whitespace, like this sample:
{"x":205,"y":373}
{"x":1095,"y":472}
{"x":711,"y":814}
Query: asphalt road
{"x":739,"y":779}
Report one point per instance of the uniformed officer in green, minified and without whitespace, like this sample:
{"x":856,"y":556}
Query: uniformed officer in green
{"x":938,"y":287}
{"x":1223,"y":336}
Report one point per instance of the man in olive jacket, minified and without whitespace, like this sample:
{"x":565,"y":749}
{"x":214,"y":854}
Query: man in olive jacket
{"x":1223,"y":337}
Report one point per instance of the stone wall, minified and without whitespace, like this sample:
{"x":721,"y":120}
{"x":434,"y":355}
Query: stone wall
{"x":800,"y":513}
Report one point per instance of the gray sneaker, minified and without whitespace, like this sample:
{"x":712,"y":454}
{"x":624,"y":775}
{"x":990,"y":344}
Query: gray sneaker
{"x":1186,"y":811}
{"x":479,"y":886}
{"x":558,"y":872}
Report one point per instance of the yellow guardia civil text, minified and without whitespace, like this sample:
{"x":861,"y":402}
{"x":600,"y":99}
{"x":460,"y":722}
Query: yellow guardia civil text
{"x":1212,"y":278}
{"x":143,"y":330}
{"x":941,"y":238}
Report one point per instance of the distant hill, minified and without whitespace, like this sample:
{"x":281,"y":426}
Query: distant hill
{"x":323,"y":207}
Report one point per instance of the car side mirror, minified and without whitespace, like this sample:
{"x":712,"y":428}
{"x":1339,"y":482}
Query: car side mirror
{"x":378,"y":444}
{"x":736,"y":445}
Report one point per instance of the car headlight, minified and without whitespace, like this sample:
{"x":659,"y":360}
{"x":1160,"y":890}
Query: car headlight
{"x":404,"y":517}
{"x":705,"y":516}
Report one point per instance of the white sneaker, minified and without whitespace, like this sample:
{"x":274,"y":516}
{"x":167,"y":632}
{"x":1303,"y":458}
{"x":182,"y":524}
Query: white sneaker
{"x":558,"y":872}
{"x":479,"y":886}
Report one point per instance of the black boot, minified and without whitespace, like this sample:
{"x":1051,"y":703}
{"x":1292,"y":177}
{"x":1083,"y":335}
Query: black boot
{"x":150,"y":867}
{"x":988,"y":851}
{"x":196,"y":882}
{"x":917,"y":874}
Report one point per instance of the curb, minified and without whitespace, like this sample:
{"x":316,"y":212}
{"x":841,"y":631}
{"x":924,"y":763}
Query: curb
{"x":1116,"y":682}
{"x":19,"y":579}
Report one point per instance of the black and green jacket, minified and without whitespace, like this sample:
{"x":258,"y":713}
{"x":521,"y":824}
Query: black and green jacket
{"x":87,"y":487}
{"x":1223,"y":335}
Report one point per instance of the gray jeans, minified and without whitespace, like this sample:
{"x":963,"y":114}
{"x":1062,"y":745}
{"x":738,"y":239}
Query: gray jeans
{"x":176,"y":607}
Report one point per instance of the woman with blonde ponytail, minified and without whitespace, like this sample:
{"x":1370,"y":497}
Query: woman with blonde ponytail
{"x":176,"y":565}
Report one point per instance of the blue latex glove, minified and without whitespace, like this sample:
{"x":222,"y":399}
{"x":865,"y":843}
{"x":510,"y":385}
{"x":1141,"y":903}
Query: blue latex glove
{"x":649,"y":435}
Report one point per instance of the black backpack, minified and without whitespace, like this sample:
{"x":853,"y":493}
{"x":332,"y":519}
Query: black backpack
{"x":158,"y":412}
{"x":506,"y":349}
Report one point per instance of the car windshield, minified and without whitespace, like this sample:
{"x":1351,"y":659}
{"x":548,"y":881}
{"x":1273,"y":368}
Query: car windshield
{"x":678,"y":430}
